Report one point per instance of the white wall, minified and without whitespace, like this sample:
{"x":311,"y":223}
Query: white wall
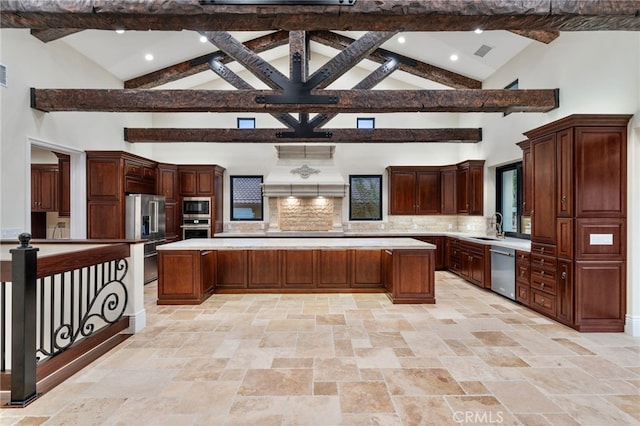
{"x":32,"y":63}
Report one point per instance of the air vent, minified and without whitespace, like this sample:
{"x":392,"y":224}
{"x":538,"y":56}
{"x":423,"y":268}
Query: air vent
{"x":3,"y":75}
{"x":483,"y":50}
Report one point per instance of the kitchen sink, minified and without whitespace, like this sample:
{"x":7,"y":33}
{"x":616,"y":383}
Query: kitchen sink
{"x":485,"y":238}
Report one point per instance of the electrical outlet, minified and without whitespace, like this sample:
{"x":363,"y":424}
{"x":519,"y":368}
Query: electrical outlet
{"x":61,"y":225}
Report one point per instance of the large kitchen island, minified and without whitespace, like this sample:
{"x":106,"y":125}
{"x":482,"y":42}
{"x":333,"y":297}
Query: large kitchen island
{"x":189,"y":271}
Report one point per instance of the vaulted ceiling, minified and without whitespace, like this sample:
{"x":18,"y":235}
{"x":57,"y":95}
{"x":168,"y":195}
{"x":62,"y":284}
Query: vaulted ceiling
{"x":345,"y":33}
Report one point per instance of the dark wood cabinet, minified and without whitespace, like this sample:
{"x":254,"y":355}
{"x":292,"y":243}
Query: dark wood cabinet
{"x":472,"y":263}
{"x":110,"y":176}
{"x":470,"y":187}
{"x":167,"y":186}
{"x":543,"y":212}
{"x":527,"y":178}
{"x":204,"y":181}
{"x":440,"y":249}
{"x":452,"y":255}
{"x":578,"y":239}
{"x":523,"y":277}
{"x":64,"y":185}
{"x":188,"y":276}
{"x":44,"y":187}
{"x":414,"y":190}
{"x":231,"y":271}
{"x":448,"y":194}
{"x":367,"y":268}
{"x":264,"y":269}
{"x":333,"y":268}
{"x":412,"y":278}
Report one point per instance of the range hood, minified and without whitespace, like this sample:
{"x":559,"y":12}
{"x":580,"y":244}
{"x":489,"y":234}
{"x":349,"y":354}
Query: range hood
{"x":305,"y":171}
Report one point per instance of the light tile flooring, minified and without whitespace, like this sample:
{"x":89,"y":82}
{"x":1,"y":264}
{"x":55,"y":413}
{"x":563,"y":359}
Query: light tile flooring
{"x":342,"y":359}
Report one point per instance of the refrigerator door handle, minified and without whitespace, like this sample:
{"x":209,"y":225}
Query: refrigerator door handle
{"x":154,"y":216}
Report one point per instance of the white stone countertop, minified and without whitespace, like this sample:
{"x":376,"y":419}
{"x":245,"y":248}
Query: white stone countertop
{"x":296,"y":244}
{"x":509,"y":242}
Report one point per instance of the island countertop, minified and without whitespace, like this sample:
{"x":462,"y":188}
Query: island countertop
{"x":297,"y":244}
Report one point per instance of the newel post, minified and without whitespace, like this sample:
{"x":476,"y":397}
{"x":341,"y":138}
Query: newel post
{"x":23,"y":317}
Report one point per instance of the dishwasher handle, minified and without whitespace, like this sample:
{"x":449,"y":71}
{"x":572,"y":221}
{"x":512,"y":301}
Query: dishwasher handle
{"x":503,"y":253}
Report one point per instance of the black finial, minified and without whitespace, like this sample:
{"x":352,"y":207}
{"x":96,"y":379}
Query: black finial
{"x":24,"y":239}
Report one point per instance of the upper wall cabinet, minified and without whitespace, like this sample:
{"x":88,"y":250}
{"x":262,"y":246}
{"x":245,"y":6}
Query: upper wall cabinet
{"x":204,"y":181}
{"x":470,"y":187}
{"x":44,"y":187}
{"x":414,"y":190}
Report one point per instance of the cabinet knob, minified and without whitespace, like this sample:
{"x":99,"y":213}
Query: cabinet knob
{"x":542,"y":301}
{"x":524,"y":204}
{"x":542,"y":273}
{"x":563,"y":199}
{"x":542,"y":250}
{"x":564,"y":275}
{"x":542,"y":261}
{"x":541,"y":285}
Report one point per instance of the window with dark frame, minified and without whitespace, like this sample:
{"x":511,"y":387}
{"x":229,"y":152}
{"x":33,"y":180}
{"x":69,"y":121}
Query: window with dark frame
{"x":365,"y":197}
{"x":246,"y":123}
{"x":509,"y":192}
{"x":366,"y":123}
{"x":246,"y":198}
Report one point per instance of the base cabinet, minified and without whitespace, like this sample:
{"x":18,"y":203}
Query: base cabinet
{"x":189,"y":276}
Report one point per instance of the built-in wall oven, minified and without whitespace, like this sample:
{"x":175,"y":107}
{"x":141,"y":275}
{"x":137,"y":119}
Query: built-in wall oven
{"x":196,"y":217}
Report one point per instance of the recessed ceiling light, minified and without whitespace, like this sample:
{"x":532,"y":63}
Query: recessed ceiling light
{"x":120,"y":31}
{"x":478,"y":31}
{"x":453,"y":57}
{"x":203,"y":39}
{"x":401,"y":39}
{"x":148,"y":57}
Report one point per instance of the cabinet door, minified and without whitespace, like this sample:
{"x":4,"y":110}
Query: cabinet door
{"x":172,"y":221}
{"x":601,"y":171}
{"x":600,"y":296}
{"x":208,"y":271}
{"x":462,"y":181}
{"x":448,"y":191}
{"x":264,"y":268}
{"x":527,"y":176}
{"x":564,"y":173}
{"x":168,"y":182}
{"x":564,"y":292}
{"x":187,"y":183}
{"x":205,"y":180}
{"x":232,"y":269}
{"x":477,"y":269}
{"x":367,"y":268}
{"x":476,"y":191}
{"x":333,"y":268}
{"x":64,"y":185}
{"x":298,"y":268}
{"x":402,"y":192}
{"x":543,"y":214}
{"x":565,"y":238}
{"x":428,"y":192}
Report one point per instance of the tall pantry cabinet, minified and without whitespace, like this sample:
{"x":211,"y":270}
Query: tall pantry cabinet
{"x":578,"y":188}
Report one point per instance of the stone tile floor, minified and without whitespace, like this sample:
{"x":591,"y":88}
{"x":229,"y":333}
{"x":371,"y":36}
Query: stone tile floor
{"x":343,"y":359}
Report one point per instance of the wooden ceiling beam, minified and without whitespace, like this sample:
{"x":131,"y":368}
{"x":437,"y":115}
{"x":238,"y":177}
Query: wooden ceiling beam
{"x":351,"y":101}
{"x":379,"y":15}
{"x":545,"y":37}
{"x":201,"y":63}
{"x":52,"y":34}
{"x":271,"y":135}
{"x":406,"y":64}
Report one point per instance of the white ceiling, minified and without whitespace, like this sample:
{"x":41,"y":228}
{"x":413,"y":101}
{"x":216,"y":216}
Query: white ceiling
{"x":123,"y":54}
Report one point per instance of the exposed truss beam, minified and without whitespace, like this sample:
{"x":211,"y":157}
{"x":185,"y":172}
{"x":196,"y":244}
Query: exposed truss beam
{"x":266,"y":72}
{"x":380,"y":15}
{"x":201,"y":63}
{"x":271,"y":135}
{"x":352,"y":101}
{"x":408,"y":65}
{"x":348,"y":58}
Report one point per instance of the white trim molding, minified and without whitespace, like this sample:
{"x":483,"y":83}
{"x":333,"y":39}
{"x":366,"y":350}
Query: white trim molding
{"x":632,"y":325}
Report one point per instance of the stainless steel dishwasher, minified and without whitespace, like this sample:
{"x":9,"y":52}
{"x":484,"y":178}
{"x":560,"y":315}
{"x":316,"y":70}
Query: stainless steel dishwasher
{"x":503,"y":271}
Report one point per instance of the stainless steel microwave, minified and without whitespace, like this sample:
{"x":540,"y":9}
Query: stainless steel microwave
{"x":196,"y":207}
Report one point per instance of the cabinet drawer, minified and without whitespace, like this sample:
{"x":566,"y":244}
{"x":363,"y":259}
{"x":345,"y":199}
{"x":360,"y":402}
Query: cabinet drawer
{"x":522,"y":293}
{"x":148,"y":173}
{"x":523,"y":273}
{"x":543,"y":250}
{"x":542,"y":262}
{"x":522,"y":257}
{"x":131,"y":169}
{"x":543,"y":302}
{"x":543,"y":283}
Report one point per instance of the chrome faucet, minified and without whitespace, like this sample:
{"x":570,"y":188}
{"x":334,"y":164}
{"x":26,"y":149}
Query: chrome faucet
{"x":499,"y":230}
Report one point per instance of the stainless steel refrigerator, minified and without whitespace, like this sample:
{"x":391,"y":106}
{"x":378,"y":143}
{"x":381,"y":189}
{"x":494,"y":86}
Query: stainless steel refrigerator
{"x":145,"y":220}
